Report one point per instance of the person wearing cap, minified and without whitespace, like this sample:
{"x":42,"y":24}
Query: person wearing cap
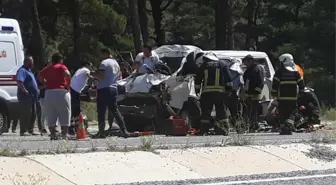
{"x":57,"y":105}
{"x":286,"y":82}
{"x":254,"y":77}
{"x":214,"y":83}
{"x":236,"y":74}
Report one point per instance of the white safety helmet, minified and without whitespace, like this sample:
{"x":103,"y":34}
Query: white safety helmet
{"x":288,"y":61}
{"x":286,"y":58}
{"x":199,"y":57}
{"x":236,"y":60}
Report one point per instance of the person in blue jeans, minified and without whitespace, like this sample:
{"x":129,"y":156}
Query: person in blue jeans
{"x":27,"y":94}
{"x":108,"y":75}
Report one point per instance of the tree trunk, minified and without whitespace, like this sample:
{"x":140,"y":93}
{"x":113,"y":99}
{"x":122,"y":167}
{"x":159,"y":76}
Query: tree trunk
{"x":220,"y":23}
{"x":143,"y":19}
{"x":255,"y":19}
{"x":75,"y":28}
{"x":157,"y":18}
{"x":230,"y":28}
{"x":37,"y":36}
{"x":136,"y":30}
{"x":249,"y":36}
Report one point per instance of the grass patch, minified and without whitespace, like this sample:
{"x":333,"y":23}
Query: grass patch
{"x":322,"y":153}
{"x":90,"y":110}
{"x":328,"y":114}
{"x":238,"y":140}
{"x":33,"y":179}
{"x":327,"y":137}
{"x":147,"y":144}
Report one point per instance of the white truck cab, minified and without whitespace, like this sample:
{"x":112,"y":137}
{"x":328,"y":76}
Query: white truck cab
{"x":11,"y":59}
{"x":260,"y":57}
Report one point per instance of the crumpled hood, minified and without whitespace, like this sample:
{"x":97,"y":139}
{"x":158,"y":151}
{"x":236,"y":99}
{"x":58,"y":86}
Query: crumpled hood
{"x":142,"y":83}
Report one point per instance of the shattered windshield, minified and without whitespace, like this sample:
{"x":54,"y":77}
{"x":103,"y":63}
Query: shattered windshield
{"x":172,"y":62}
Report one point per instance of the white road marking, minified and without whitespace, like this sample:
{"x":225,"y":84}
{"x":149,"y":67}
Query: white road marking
{"x":271,"y":180}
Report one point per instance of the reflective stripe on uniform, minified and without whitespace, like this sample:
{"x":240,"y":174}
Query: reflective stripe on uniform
{"x":229,"y":84}
{"x":217,"y":77}
{"x":216,"y":89}
{"x":212,"y":88}
{"x":204,"y":121}
{"x":206,"y":76}
{"x":287,"y":98}
{"x":288,"y":82}
{"x":223,"y":124}
{"x":276,"y":78}
{"x":258,"y":89}
{"x":223,"y":121}
{"x":289,"y":121}
{"x":255,"y":96}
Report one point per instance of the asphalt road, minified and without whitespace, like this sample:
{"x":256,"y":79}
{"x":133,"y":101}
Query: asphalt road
{"x":14,"y":142}
{"x":324,"y":177}
{"x":42,"y":143}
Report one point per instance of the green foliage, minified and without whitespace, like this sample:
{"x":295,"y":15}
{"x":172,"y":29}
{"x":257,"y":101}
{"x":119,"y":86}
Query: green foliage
{"x":305,"y":28}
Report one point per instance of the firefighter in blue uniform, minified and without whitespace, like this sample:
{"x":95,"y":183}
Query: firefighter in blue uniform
{"x":254,"y":80}
{"x":285,"y":85}
{"x":214,"y":83}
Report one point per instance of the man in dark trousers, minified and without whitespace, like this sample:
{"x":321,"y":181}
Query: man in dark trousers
{"x":27,"y":95}
{"x":254,"y":78}
{"x":213,"y":79}
{"x":78,"y":83}
{"x":285,"y":85}
{"x":108,"y":75}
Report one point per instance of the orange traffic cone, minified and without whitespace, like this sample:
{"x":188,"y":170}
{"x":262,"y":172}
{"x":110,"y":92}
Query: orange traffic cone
{"x":81,"y":133}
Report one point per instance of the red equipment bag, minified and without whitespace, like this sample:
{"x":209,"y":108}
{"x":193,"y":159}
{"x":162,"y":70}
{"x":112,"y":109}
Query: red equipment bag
{"x":176,"y":127}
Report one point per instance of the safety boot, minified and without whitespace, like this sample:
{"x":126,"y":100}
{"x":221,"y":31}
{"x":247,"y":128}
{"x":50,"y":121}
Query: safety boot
{"x":124,"y":133}
{"x":64,"y":132}
{"x":286,"y":129}
{"x":204,"y":128}
{"x":53,"y":133}
{"x":222,"y":127}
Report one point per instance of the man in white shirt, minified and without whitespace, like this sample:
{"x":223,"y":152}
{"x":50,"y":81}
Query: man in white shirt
{"x":78,"y":83}
{"x":146,"y":59}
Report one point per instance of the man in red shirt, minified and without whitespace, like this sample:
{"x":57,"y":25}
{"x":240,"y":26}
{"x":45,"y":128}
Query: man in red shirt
{"x":57,"y":96}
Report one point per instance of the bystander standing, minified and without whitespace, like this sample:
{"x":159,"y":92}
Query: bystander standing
{"x":27,"y":96}
{"x":57,"y":96}
{"x":108,"y":75}
{"x":41,"y":118}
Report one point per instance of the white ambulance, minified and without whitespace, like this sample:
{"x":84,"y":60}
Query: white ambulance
{"x":11,"y":59}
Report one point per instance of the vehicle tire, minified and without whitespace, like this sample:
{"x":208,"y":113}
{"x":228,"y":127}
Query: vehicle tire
{"x":3,"y":120}
{"x":191,"y":112}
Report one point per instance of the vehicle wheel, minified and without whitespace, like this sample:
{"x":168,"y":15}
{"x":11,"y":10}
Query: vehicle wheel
{"x":3,"y":121}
